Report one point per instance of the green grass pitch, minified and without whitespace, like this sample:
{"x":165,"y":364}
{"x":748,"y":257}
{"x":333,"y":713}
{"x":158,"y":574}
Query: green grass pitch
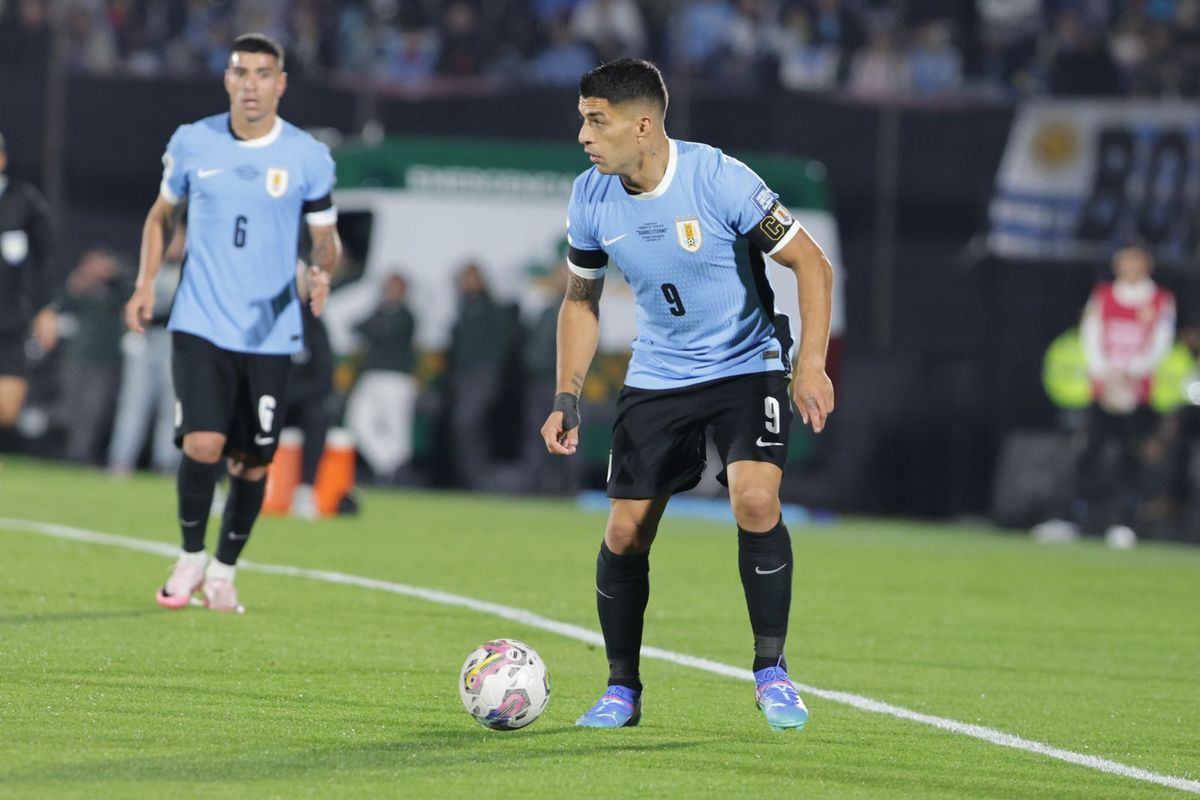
{"x":327,"y":690}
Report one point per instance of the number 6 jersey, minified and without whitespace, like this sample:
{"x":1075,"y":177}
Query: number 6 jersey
{"x":700,"y":315}
{"x":245,"y":202}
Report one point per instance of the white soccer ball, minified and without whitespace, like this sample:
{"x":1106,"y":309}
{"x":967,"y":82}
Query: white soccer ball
{"x":504,"y":684}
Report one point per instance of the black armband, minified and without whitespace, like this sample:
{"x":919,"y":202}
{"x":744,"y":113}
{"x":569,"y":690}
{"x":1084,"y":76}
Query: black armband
{"x":587,"y":259}
{"x":775,"y":228}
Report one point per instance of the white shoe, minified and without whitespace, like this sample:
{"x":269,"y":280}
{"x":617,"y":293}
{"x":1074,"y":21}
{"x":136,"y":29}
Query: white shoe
{"x":1054,"y":531}
{"x":304,"y":503}
{"x":185,"y":581}
{"x":221,"y":595}
{"x":1120,"y":537}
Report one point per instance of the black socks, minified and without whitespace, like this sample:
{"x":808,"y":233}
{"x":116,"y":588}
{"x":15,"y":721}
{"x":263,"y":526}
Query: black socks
{"x":241,"y":510}
{"x":195,"y":483}
{"x":622,"y":589}
{"x":765,"y":562}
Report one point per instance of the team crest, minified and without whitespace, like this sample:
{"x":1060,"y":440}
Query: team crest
{"x":277,"y":179}
{"x":688,"y":231}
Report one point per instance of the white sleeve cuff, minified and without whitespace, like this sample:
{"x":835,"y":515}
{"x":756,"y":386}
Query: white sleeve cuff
{"x":585,"y":273}
{"x":322,"y":218}
{"x":164,"y":191}
{"x":787,"y":237}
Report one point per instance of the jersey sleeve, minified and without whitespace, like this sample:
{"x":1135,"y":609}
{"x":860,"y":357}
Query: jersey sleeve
{"x":752,"y":209}
{"x":174,"y":186}
{"x":318,"y":191}
{"x":584,"y":256}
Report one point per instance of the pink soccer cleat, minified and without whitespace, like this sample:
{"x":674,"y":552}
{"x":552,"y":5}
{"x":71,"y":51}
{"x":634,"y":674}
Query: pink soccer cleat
{"x":185,"y":580}
{"x":221,"y":595}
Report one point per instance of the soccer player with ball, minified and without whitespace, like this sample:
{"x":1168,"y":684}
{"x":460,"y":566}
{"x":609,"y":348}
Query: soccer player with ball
{"x":712,"y":351}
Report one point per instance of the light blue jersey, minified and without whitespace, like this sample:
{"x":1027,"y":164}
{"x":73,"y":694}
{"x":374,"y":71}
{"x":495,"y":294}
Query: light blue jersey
{"x":700,"y":316}
{"x":245,"y":201}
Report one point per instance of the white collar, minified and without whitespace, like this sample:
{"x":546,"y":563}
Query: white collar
{"x":1133,"y":294}
{"x":267,"y":138}
{"x":668,"y":176}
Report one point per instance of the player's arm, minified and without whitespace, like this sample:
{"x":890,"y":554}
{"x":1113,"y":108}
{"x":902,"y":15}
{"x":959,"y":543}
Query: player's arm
{"x":45,"y":284}
{"x":578,"y":337}
{"x":812,"y":391}
{"x":155,"y":231}
{"x":326,"y":253}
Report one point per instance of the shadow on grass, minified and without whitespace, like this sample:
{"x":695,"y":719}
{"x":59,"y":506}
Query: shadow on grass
{"x":75,"y":616}
{"x":429,"y":750}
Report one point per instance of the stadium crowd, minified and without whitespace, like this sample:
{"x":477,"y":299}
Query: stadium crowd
{"x":871,"y":48}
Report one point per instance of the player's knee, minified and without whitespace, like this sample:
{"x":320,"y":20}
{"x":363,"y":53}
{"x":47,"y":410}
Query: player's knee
{"x":625,"y":535}
{"x":240,"y":469}
{"x":8,"y":415}
{"x":204,"y":447}
{"x":756,"y":508}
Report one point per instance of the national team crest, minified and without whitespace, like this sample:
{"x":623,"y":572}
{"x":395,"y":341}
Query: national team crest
{"x":688,"y":231}
{"x":277,"y":180}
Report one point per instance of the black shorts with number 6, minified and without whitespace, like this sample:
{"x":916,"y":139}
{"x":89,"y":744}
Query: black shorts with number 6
{"x":658,"y":438}
{"x":241,"y":395}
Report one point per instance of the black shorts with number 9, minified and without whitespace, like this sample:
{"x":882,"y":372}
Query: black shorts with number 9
{"x":240,"y":395}
{"x":658,"y":438}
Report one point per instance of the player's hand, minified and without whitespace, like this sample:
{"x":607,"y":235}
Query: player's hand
{"x":561,"y":431}
{"x":318,"y":289}
{"x":45,"y":329}
{"x":812,"y":392}
{"x":140,"y":308}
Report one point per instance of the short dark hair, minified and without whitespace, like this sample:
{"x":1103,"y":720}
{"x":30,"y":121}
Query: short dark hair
{"x":624,"y":80}
{"x":258,"y":43}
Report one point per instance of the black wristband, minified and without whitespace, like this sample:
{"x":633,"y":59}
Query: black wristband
{"x":568,"y":404}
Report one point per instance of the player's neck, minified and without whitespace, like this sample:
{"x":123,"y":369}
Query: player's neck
{"x":245,"y":130}
{"x":652,"y":169}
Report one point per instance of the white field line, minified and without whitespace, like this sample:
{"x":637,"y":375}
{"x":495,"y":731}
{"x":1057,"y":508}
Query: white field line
{"x":522,"y":617}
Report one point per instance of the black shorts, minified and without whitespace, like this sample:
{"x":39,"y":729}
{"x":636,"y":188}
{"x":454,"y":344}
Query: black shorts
{"x":13,"y":363}
{"x":241,"y":395}
{"x":658,"y":438}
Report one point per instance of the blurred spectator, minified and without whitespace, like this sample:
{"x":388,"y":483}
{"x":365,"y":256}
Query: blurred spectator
{"x":563,"y":59}
{"x":804,"y":62}
{"x":1008,"y":33}
{"x":27,"y":286}
{"x":614,"y":28}
{"x":934,"y":63}
{"x":91,"y":45}
{"x":1081,"y":64}
{"x":147,"y":396}
{"x":91,"y":323}
{"x":25,"y":33}
{"x":1128,"y":326}
{"x":309,"y":395}
{"x":836,"y":25}
{"x":461,"y":53}
{"x":408,"y":55}
{"x":700,"y":32}
{"x":480,"y":343}
{"x":878,"y":70}
{"x":380,"y":409}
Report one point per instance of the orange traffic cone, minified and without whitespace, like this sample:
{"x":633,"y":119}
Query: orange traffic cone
{"x":335,"y":476}
{"x":284,"y":473}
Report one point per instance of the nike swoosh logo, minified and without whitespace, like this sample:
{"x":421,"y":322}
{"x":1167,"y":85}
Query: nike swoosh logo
{"x":260,"y":439}
{"x":187,"y":524}
{"x":759,"y":441}
{"x":761,"y":571}
{"x":607,"y":242}
{"x":602,"y":594}
{"x":208,"y":173}
{"x":237,"y":537}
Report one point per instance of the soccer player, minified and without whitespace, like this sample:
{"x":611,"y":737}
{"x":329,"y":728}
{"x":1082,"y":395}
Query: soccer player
{"x":26,"y":287}
{"x":712,"y":351}
{"x":248,"y":178}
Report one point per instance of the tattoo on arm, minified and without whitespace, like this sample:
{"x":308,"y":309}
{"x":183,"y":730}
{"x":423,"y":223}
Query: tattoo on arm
{"x":582,"y":289}
{"x":577,"y":382}
{"x":324,"y":250}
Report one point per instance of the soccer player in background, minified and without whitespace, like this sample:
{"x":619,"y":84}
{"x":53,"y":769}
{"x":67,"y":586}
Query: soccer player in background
{"x":249,"y":178}
{"x":26,"y":287}
{"x":712,"y":351}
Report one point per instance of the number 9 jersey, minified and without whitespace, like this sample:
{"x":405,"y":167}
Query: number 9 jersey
{"x":701,"y":316}
{"x":245,"y":200}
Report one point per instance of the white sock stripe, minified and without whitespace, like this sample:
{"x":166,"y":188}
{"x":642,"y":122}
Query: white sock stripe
{"x":990,"y":735}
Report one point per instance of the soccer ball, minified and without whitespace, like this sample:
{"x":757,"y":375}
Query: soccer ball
{"x":504,"y":684}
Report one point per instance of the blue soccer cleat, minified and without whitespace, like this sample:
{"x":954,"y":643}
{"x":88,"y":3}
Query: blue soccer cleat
{"x":779,"y":700}
{"x":620,"y":707}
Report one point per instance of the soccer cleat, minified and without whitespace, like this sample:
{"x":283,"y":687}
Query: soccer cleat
{"x":620,"y":707}
{"x":779,"y":700}
{"x":185,"y":580}
{"x":220,"y":595}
